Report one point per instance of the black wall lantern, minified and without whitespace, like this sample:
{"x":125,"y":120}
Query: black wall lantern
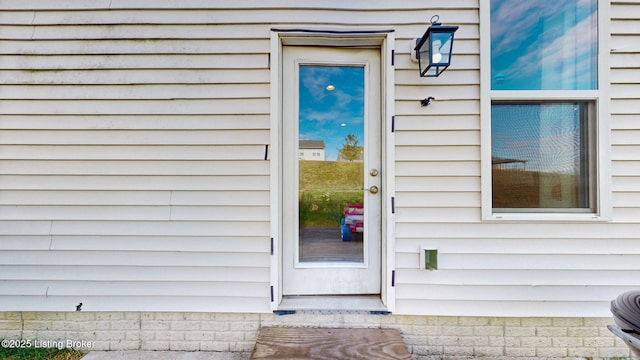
{"x":433,"y":49}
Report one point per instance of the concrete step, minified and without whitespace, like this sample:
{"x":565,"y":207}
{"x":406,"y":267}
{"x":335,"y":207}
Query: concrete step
{"x":329,"y":343}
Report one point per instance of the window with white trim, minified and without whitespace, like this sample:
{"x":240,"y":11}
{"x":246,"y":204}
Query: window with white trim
{"x":541,"y":156}
{"x":543,"y":121}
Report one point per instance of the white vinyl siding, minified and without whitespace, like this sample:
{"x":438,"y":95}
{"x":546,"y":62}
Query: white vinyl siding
{"x":514,"y":268}
{"x":519,"y":267}
{"x":132,"y":171}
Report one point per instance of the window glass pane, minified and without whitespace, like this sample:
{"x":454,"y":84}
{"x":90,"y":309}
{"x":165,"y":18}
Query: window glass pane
{"x":331,"y":168}
{"x":544,"y":45}
{"x":540,"y":156}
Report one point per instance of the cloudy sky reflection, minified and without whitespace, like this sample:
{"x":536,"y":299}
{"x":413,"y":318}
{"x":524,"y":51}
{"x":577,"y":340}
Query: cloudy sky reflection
{"x":329,"y":114}
{"x":544,"y":45}
{"x":545,"y":137}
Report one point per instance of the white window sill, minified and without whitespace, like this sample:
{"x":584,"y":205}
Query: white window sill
{"x":545,"y":217}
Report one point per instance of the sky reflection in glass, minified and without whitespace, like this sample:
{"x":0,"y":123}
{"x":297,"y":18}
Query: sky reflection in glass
{"x":545,"y":137}
{"x":330,"y":114}
{"x":544,"y":45}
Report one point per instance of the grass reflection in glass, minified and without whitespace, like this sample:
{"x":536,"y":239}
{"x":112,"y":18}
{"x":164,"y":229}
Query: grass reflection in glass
{"x":325,"y":187}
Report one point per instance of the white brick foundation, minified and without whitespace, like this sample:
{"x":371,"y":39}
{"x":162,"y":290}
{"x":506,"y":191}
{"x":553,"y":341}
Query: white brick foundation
{"x":426,"y":337}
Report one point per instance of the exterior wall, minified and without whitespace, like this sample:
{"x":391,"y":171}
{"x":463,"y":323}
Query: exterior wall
{"x":512,"y":268}
{"x":133,"y":173}
{"x":428,"y":336}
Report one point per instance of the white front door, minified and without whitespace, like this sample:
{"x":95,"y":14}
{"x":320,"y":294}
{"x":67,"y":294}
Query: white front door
{"x":331,"y":171}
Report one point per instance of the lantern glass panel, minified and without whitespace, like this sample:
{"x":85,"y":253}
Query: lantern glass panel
{"x":423,"y":58}
{"x":441,"y":48}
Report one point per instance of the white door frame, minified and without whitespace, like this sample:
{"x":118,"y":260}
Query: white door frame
{"x":377,"y":38}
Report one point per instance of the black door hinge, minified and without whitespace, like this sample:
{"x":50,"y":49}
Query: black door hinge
{"x":393,"y":57}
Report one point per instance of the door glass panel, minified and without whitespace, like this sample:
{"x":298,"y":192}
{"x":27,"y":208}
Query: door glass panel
{"x":331,"y":163}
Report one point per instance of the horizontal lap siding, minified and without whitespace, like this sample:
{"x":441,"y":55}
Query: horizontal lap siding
{"x":132,"y":148}
{"x":133,"y":143}
{"x":132,"y":161}
{"x":513,"y":269}
{"x":438,"y":174}
{"x":625,"y":153}
{"x":132,"y":153}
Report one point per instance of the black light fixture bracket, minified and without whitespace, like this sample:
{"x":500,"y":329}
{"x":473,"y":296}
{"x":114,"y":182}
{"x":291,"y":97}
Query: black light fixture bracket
{"x":427,"y":101}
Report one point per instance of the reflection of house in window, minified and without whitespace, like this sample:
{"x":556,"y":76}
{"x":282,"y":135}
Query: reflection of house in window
{"x":311,"y":150}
